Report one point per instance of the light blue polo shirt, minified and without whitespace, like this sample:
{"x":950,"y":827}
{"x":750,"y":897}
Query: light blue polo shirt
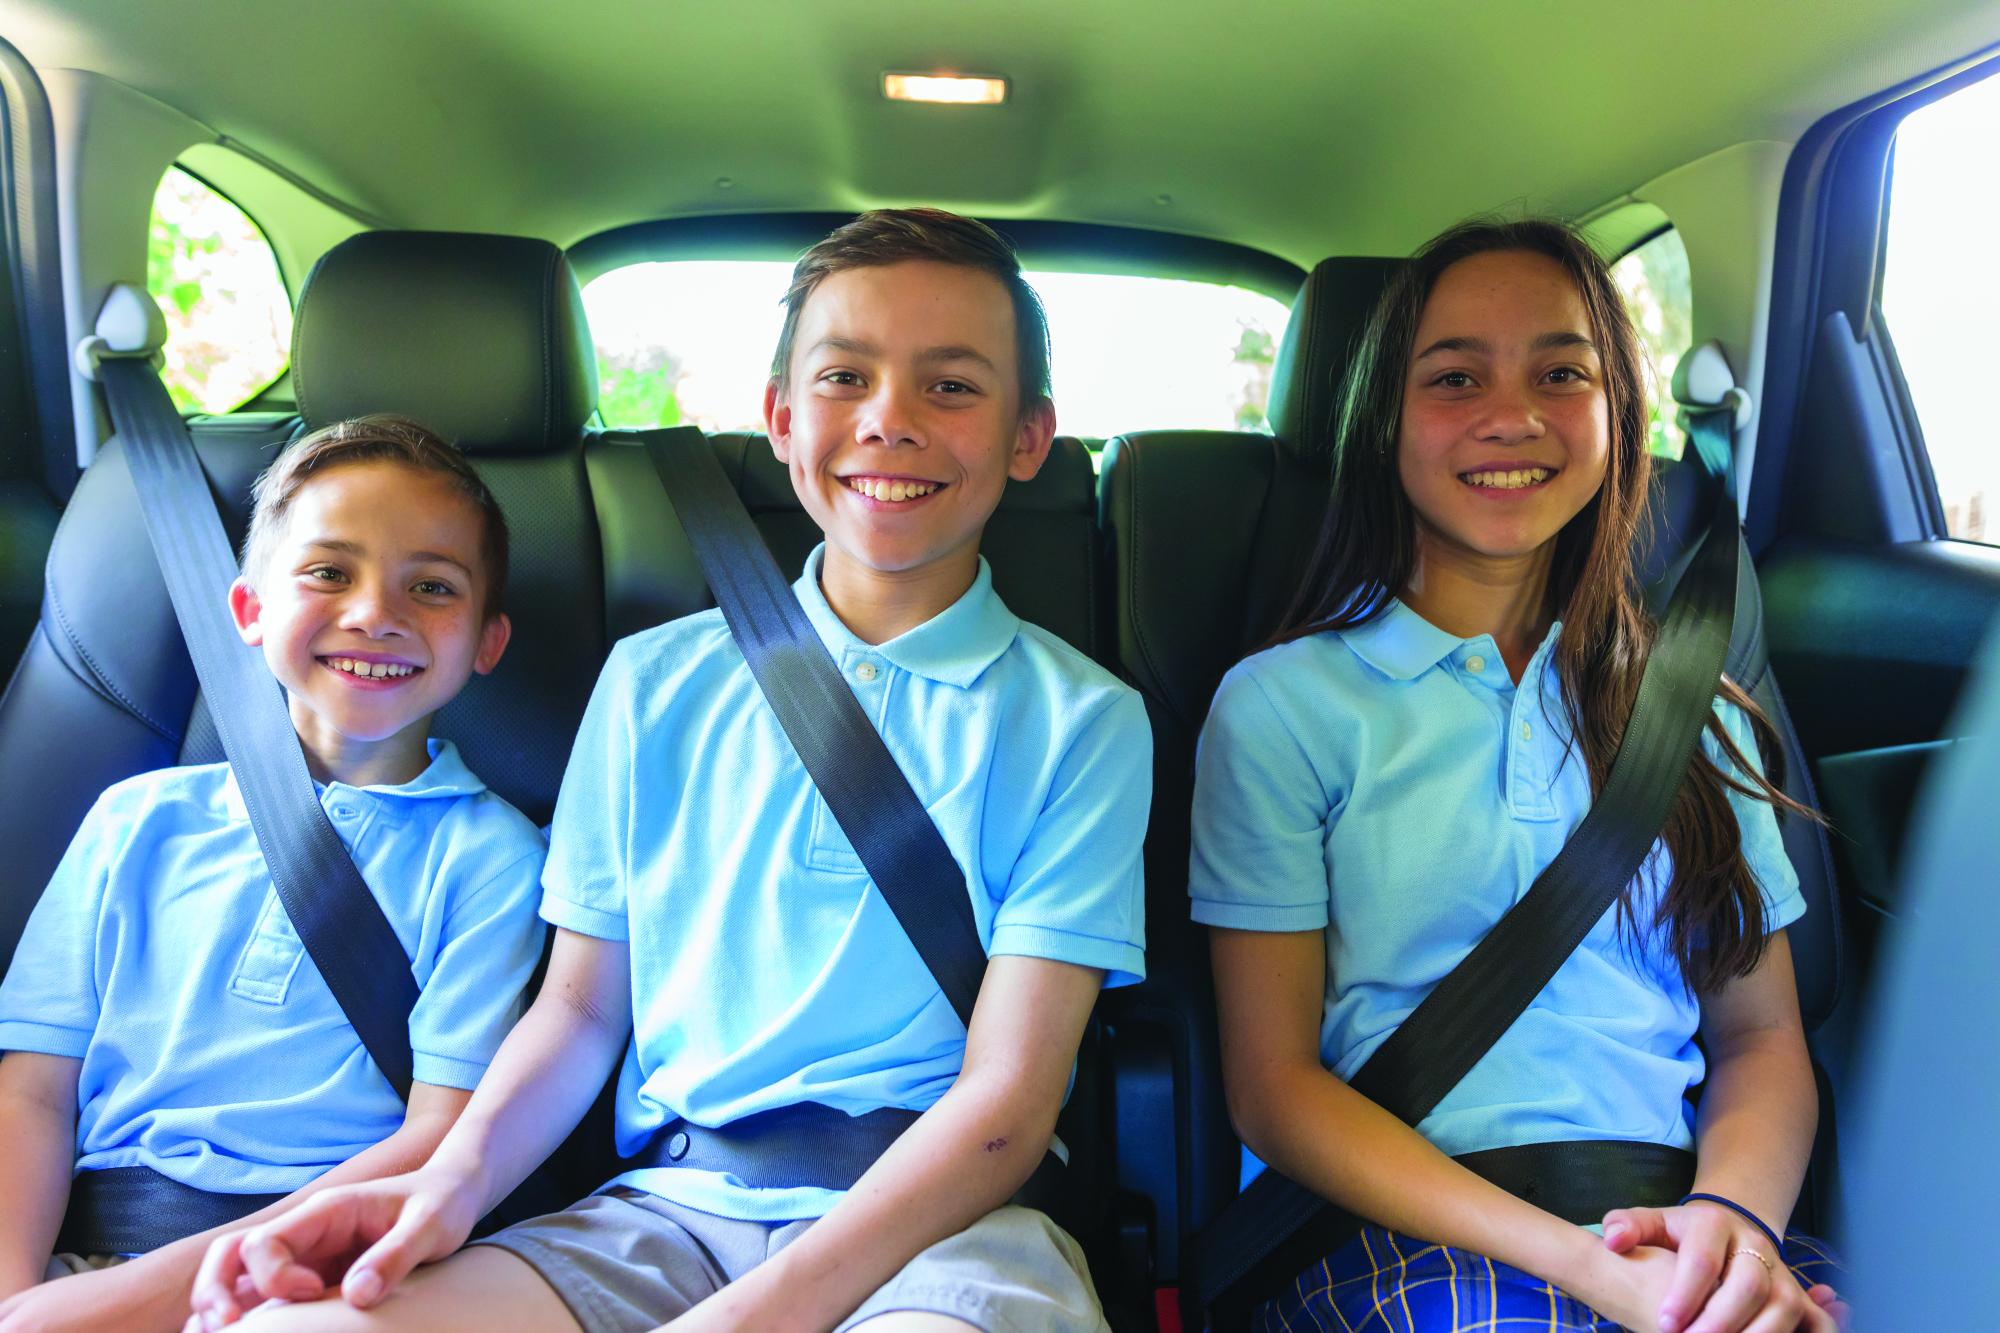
{"x":1391,"y":786}
{"x":766,"y":969}
{"x":212,"y":1050}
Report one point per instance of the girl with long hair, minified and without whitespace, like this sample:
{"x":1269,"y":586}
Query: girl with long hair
{"x":1379,"y":785}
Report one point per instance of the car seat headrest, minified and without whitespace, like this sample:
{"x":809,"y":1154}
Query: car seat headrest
{"x":1328,"y":315}
{"x":481,"y":338}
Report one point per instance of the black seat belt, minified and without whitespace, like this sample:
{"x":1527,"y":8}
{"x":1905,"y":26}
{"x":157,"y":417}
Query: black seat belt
{"x":1271,"y":1231}
{"x":863,"y":786}
{"x":338,"y":920}
{"x":865,"y":790}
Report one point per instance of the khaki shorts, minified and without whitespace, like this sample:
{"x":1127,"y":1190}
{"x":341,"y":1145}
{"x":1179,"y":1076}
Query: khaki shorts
{"x":69,"y":1265}
{"x":626,"y":1261}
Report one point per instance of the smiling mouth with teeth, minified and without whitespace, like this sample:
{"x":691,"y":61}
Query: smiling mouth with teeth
{"x":1514,"y":480}
{"x":892,"y":492}
{"x":354,"y":666}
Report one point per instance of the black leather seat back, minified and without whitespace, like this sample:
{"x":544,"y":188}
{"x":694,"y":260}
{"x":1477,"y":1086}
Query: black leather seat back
{"x":483,"y":339}
{"x":1210,"y":532}
{"x":479,"y":337}
{"x":1043,"y":544}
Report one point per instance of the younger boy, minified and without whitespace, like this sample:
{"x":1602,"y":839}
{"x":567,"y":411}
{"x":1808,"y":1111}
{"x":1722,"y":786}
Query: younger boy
{"x":711,"y":910}
{"x":161,"y":1011}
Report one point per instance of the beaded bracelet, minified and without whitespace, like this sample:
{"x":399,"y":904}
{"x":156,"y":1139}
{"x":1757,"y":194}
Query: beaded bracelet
{"x":1736,"y":1207}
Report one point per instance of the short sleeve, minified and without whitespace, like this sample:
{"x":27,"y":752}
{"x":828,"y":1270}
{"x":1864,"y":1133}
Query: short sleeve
{"x":48,"y":1003}
{"x":477,"y":984}
{"x":1077,"y":894}
{"x":584,"y":883}
{"x":1763,"y":844}
{"x":1257,"y":844}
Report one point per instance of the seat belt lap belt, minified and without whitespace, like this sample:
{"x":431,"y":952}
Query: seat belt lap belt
{"x":868,"y":795}
{"x":1275,"y":1228}
{"x":338,"y":920}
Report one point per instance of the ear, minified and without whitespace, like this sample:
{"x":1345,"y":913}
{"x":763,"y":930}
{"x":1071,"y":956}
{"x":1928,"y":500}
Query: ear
{"x":1032,"y":439}
{"x":247,"y":611}
{"x":778,"y":419}
{"x":493,"y":637}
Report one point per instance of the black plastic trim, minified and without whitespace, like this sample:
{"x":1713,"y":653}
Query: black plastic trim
{"x":1071,"y":245}
{"x":28,"y":177}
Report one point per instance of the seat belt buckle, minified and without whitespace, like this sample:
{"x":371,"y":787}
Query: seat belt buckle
{"x":129,"y":327}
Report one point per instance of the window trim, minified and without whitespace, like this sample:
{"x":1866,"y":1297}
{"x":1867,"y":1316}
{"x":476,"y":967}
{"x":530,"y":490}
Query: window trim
{"x":284,"y":279}
{"x":32,"y":249}
{"x":1832,"y":232}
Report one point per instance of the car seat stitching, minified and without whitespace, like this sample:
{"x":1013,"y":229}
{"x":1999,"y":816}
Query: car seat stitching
{"x":98,"y":681}
{"x":1316,"y":335}
{"x":1131,"y":452}
{"x":548,"y":355}
{"x":1798,"y":771}
{"x":299,"y":336}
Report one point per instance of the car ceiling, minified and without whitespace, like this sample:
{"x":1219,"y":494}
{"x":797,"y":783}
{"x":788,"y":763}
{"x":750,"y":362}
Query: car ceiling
{"x":1304,"y":129}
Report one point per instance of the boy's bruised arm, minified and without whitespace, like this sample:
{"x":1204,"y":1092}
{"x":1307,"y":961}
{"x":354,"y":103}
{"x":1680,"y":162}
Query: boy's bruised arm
{"x":963,"y":1158}
{"x":38,"y":1127}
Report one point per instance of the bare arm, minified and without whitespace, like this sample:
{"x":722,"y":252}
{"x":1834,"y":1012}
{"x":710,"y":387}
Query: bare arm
{"x":543,"y":1079}
{"x":1760,"y":1109}
{"x":1753,"y":1136}
{"x":1310,"y":1125}
{"x":963,"y":1158}
{"x":151,"y":1292}
{"x":38,"y":1125}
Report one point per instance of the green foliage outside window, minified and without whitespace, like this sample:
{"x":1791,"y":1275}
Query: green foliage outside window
{"x":1654,"y":281}
{"x":229,"y":318}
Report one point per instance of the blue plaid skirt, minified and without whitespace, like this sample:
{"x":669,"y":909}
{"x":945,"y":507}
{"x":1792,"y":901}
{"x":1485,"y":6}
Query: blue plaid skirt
{"x":1383,"y":1282}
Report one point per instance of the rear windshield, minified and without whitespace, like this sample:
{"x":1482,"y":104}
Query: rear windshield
{"x":690,"y":342}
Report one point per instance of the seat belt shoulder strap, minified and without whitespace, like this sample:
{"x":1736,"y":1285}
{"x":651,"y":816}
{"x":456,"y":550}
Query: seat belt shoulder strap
{"x":338,"y":918}
{"x":864,"y":788}
{"x":1474,"y":1005}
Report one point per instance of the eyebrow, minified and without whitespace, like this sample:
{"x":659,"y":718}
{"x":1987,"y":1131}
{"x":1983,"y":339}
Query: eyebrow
{"x":341,"y":547}
{"x":852,"y":346}
{"x":929,"y":356}
{"x":1464,"y":343}
{"x":940,"y":355}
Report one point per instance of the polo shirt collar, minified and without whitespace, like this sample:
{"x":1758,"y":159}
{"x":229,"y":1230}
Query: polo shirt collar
{"x":445,"y":778}
{"x":953,"y":647}
{"x":1399,"y":643}
{"x":1402,"y":645}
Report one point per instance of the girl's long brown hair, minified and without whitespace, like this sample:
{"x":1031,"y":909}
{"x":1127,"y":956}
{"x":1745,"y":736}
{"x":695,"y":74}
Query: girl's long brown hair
{"x":1712,"y":913}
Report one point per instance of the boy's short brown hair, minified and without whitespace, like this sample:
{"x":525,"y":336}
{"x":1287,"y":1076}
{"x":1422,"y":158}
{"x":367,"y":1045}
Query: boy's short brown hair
{"x":378,"y":438}
{"x":896,"y":235}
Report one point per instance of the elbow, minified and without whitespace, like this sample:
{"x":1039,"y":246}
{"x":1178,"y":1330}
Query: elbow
{"x":1251,"y":1104}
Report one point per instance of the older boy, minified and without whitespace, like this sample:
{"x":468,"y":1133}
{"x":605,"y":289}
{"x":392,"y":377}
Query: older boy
{"x":161,"y":1012}
{"x":709,"y":907}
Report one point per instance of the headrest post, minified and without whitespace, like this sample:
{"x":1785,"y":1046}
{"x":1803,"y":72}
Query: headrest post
{"x":129,"y":327}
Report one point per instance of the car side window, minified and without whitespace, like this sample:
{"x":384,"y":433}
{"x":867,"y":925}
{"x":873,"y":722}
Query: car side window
{"x":229,"y":317}
{"x":1940,"y":283}
{"x":1654,"y":281}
